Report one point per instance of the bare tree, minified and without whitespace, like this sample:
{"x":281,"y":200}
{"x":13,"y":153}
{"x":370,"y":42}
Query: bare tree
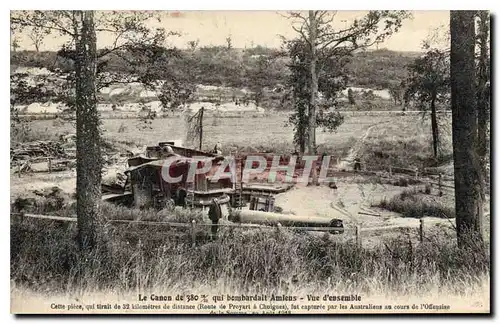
{"x":37,"y":35}
{"x":322,"y":39}
{"x":468,"y":172}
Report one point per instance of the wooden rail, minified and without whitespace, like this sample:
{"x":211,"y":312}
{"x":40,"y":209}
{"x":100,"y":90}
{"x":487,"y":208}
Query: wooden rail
{"x":358,"y":230}
{"x":440,"y":177}
{"x":174,"y":224}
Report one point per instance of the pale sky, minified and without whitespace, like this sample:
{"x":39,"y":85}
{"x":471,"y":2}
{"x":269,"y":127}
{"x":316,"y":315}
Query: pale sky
{"x":249,"y":28}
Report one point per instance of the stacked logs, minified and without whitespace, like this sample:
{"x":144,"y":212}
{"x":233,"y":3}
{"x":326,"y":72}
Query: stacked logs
{"x":25,"y":151}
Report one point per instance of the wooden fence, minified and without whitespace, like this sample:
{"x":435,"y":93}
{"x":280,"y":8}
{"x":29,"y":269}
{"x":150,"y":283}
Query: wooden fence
{"x":425,"y":172}
{"x":193,"y":226}
{"x":359,"y":231}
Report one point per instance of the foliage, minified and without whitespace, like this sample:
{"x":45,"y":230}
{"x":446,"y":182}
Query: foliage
{"x":193,"y":44}
{"x":299,"y":94}
{"x":380,"y":69}
{"x":429,"y":77}
{"x":410,"y":203}
{"x":174,"y":94}
{"x":376,"y":69}
{"x":194,"y":128}
{"x":135,"y":48}
{"x":319,"y":56}
{"x":25,"y":90}
{"x":15,"y":44}
{"x":37,"y":35}
{"x":257,"y":77}
{"x":397,"y":92}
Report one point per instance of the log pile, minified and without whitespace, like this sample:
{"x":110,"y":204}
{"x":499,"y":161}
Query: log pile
{"x":30,"y":150}
{"x":41,"y":156}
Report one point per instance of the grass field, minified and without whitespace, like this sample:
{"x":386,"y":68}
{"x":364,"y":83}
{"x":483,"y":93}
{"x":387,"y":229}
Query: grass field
{"x":406,"y":141}
{"x":391,"y":133}
{"x":403,"y":141}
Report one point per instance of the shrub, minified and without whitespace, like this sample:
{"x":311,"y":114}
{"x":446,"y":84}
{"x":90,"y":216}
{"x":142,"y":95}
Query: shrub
{"x":411,"y":204}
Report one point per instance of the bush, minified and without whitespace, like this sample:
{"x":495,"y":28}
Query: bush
{"x":21,"y":132}
{"x":404,"y":182}
{"x":411,"y":204}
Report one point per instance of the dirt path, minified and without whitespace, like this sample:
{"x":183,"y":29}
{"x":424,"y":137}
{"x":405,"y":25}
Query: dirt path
{"x":354,"y":195}
{"x":346,"y":162}
{"x":347,"y":201}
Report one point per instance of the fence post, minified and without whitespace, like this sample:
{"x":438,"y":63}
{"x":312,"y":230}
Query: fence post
{"x":17,"y":218}
{"x":416,"y":173}
{"x":421,"y":230}
{"x":390,"y":170}
{"x":358,"y":236}
{"x":193,"y":232}
{"x":439,"y":184}
{"x":278,"y":227}
{"x":49,"y":161}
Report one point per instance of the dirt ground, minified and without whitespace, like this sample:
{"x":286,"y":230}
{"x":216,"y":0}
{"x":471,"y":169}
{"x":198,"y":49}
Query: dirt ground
{"x":24,"y":185}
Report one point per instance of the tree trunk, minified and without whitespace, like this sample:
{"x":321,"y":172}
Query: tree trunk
{"x":88,"y":152}
{"x":201,"y":127}
{"x":302,"y":146}
{"x":434,"y":125}
{"x":314,"y":83}
{"x":314,"y":92}
{"x":483,"y":102}
{"x":468,"y":175}
{"x":301,"y":131}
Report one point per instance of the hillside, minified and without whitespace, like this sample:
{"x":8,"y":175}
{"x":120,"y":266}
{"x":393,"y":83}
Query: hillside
{"x":381,"y":68}
{"x":241,"y":68}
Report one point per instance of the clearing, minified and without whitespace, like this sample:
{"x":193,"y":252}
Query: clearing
{"x":358,"y":136}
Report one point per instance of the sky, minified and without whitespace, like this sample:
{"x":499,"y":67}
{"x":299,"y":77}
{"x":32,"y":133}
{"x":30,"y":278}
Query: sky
{"x":251,"y":28}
